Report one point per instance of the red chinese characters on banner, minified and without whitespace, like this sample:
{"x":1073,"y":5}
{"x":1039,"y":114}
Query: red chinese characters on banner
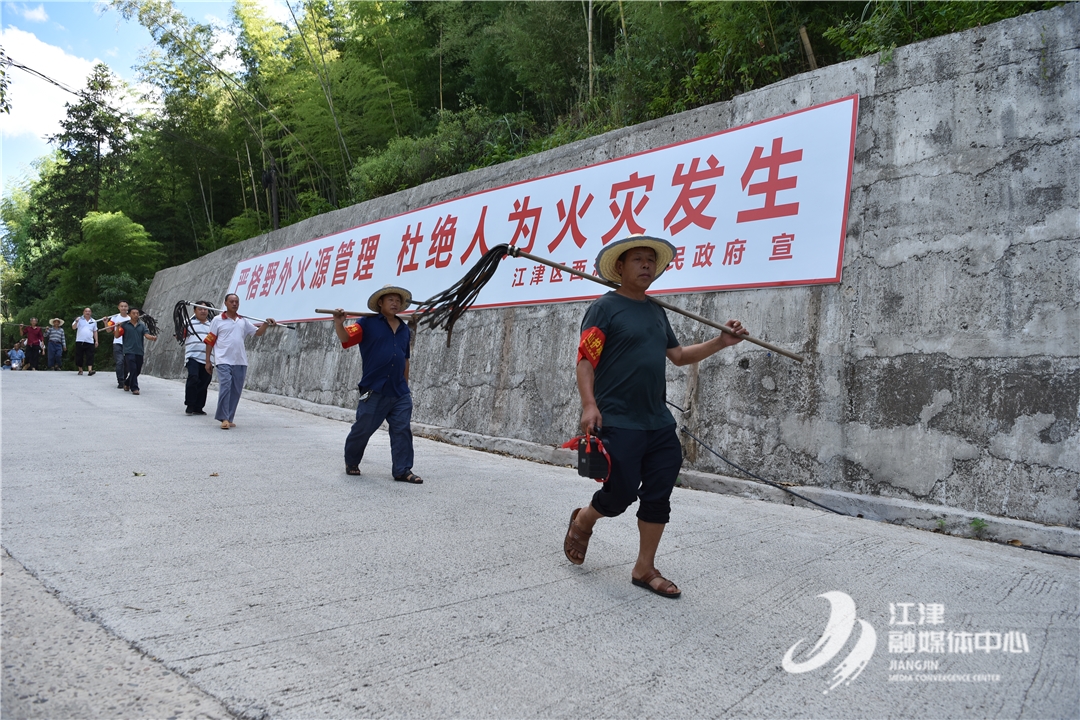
{"x":477,"y":238}
{"x":569,"y":219}
{"x":342,"y":262}
{"x":365,"y":259}
{"x":245,"y":274}
{"x":580,"y":266}
{"x":693,"y":212}
{"x":253,"y":282}
{"x":774,"y":184}
{"x":678,"y":260}
{"x":519,"y":278}
{"x":442,"y":242}
{"x":286,"y":275}
{"x":556,"y":275}
{"x":733,"y":252}
{"x":781,"y":246}
{"x":625,"y":215}
{"x":409,"y":243}
{"x":537,"y":275}
{"x":703,"y":255}
{"x":301,"y":270}
{"x":528,"y":223}
{"x":269,"y":277}
{"x":322,"y":266}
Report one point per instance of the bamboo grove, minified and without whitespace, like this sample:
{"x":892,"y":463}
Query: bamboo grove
{"x":260,"y":124}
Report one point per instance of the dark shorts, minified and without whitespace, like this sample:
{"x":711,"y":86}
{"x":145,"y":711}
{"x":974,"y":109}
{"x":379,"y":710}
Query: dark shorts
{"x":644,"y":466}
{"x":84,"y":353}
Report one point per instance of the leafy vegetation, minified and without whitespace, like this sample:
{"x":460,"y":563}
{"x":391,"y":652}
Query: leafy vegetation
{"x":262,"y":124}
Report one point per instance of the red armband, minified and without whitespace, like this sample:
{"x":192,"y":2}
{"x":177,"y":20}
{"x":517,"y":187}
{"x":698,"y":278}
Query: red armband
{"x":591,"y":345}
{"x":356,"y":334}
{"x":210,"y":339}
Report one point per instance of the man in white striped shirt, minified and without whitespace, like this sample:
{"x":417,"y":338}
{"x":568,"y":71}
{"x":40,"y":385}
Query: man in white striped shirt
{"x":198,"y":378}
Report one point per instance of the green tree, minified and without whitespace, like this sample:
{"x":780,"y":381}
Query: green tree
{"x":92,"y":144}
{"x":113,"y":246}
{"x":884,"y":25}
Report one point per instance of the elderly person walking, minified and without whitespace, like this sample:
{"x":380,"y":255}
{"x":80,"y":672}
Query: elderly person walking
{"x":56,"y":342}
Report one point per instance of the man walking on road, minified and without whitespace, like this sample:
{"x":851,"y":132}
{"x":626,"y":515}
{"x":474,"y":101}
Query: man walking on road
{"x":34,"y":340}
{"x":198,"y":377}
{"x":226,"y":339}
{"x":56,"y":343}
{"x":384,"y":387}
{"x":86,"y":340}
{"x":134,"y":331}
{"x":118,"y":344}
{"x":625,"y":339}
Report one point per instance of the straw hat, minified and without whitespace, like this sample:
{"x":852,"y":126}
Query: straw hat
{"x":56,"y":321}
{"x":605,"y":261}
{"x":373,"y":301}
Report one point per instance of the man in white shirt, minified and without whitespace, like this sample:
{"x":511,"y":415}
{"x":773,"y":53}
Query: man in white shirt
{"x":86,"y":340}
{"x":118,"y":344}
{"x":198,"y":378}
{"x":227,"y":333}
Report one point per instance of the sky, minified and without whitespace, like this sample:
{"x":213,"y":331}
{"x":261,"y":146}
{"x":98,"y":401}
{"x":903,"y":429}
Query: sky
{"x":64,"y":40}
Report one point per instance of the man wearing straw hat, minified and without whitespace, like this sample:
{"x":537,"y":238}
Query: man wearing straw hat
{"x":625,"y":339}
{"x":226,"y":339}
{"x":384,"y":388}
{"x":55,"y":342}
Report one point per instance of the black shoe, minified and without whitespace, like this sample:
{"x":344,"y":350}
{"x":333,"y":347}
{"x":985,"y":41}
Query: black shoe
{"x":189,"y":412}
{"x":197,"y":412}
{"x":120,"y":386}
{"x":91,"y":372}
{"x":352,"y":469}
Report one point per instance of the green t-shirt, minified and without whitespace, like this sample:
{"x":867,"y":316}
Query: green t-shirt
{"x":133,"y":337}
{"x":630,"y":388}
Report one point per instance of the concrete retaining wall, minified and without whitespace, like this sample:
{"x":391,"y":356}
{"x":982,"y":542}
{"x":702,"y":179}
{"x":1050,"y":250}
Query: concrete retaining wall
{"x":945,"y":369}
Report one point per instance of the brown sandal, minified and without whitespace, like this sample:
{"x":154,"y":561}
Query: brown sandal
{"x":646,"y":582}
{"x":576,"y":540}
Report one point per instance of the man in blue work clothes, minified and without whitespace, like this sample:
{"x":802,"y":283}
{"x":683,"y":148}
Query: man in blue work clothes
{"x":384,"y":388}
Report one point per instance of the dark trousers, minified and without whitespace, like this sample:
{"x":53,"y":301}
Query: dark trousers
{"x":33,"y":353}
{"x":644,"y":465}
{"x":370,"y":413}
{"x":56,"y":353}
{"x":134,"y":367}
{"x":198,"y":380}
{"x":121,"y":363}
{"x":84,"y":354}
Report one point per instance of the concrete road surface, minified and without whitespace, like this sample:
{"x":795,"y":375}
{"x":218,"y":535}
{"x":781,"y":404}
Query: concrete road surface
{"x":181,"y":570}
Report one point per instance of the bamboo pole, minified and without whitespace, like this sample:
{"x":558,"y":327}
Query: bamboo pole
{"x":246,"y":317}
{"x":350,"y":313}
{"x":515,"y":252}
